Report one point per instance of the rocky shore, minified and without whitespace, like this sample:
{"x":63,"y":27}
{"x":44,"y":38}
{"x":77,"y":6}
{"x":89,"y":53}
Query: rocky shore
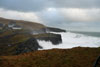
{"x":17,"y":36}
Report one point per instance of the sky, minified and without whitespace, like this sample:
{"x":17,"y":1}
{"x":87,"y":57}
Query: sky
{"x":79,"y":15}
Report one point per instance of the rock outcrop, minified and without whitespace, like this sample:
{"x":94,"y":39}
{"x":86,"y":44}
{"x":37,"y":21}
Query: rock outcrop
{"x":17,"y":44}
{"x":51,"y":29}
{"x":14,"y":42}
{"x":28,"y":46}
{"x":55,"y":39}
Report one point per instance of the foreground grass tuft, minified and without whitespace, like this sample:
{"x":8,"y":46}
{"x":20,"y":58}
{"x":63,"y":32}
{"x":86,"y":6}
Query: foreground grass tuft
{"x":75,"y":57}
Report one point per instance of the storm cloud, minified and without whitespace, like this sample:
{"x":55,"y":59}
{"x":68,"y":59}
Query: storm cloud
{"x":25,"y":5}
{"x":38,"y":5}
{"x":68,"y":14}
{"x":28,"y":16}
{"x":77,"y":3}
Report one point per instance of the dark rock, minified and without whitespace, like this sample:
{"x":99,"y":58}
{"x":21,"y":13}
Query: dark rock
{"x":53,"y":38}
{"x":51,"y":29}
{"x":28,"y":46}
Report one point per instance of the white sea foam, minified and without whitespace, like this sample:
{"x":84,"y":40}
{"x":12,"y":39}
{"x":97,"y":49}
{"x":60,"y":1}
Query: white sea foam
{"x":71,"y":40}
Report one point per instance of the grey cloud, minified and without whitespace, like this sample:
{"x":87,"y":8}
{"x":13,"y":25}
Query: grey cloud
{"x":52,"y":18}
{"x":27,"y":16}
{"x":77,"y":3}
{"x":25,"y":5}
{"x":38,"y":5}
{"x":68,"y":19}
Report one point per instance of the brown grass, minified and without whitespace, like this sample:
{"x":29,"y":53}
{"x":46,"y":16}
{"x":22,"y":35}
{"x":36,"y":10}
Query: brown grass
{"x":76,"y":57}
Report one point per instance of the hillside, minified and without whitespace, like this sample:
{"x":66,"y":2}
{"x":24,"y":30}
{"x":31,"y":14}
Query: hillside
{"x":33,"y":27}
{"x":18,"y":41}
{"x":24,"y":24}
{"x":18,"y":36}
{"x":76,"y":57}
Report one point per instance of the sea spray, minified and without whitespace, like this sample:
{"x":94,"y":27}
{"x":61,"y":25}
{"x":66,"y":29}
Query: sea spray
{"x":71,"y":40}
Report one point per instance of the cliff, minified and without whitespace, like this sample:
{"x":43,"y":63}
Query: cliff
{"x":52,"y":29}
{"x":17,"y":36}
{"x":16,"y":42}
{"x":53,"y":38}
{"x":27,"y":46}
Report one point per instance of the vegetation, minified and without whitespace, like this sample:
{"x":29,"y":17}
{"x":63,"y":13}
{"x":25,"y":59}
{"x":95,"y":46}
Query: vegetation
{"x":10,"y":40}
{"x":76,"y":57}
{"x":45,"y":35}
{"x":25,"y":24}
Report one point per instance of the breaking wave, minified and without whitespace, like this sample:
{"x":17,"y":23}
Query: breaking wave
{"x":71,"y":40}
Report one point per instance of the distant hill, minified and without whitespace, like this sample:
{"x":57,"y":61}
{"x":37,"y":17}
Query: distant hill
{"x":32,"y":26}
{"x":52,"y":29}
{"x":24,"y":24}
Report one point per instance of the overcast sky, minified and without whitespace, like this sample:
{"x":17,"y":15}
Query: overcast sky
{"x":81,"y":15}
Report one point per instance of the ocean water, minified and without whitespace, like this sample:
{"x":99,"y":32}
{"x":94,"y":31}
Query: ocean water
{"x":95,"y":34}
{"x":74,"y":39}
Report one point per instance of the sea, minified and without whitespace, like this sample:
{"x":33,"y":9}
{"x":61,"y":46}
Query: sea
{"x":71,"y":39}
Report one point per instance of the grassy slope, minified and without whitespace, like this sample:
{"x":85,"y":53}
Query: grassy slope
{"x":76,"y":57}
{"x":9,"y":38}
{"x":21,"y":35}
{"x":24,"y":24}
